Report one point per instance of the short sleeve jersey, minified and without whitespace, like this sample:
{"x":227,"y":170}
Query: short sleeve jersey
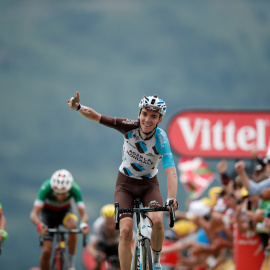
{"x":140,"y":158}
{"x":47,"y":199}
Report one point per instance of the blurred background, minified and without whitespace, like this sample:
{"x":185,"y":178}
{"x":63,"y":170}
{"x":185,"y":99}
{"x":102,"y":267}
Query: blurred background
{"x":194,"y":54}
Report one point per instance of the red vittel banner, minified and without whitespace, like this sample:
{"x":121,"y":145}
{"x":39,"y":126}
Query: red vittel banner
{"x":219,"y":134}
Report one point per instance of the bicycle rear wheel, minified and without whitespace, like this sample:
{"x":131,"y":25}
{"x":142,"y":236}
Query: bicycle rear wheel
{"x":147,"y":255}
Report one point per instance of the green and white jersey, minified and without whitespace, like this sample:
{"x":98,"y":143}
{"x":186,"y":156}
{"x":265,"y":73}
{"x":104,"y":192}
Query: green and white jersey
{"x":47,"y":199}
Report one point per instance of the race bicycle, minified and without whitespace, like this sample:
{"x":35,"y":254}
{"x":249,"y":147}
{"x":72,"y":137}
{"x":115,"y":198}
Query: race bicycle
{"x":59,"y":259}
{"x":142,"y":255}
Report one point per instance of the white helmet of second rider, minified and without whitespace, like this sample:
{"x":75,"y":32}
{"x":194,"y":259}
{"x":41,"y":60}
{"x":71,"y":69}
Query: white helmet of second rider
{"x":61,"y":181}
{"x":153,"y":103}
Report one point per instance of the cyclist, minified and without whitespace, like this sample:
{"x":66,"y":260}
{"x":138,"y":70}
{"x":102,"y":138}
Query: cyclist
{"x":144,"y":146}
{"x":3,"y":233}
{"x":104,"y":240}
{"x":52,"y":208}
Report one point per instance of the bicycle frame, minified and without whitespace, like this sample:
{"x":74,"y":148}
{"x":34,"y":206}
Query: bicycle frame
{"x":59,"y":259}
{"x":142,"y":234}
{"x":141,"y":257}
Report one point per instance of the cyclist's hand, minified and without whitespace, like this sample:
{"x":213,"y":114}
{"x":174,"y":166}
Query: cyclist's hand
{"x":42,"y":229}
{"x":74,"y":102}
{"x":3,"y":235}
{"x":174,"y":203}
{"x":84,"y":228}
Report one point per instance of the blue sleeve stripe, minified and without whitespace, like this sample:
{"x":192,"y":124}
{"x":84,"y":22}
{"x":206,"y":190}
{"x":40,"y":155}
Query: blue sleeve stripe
{"x":163,"y":147}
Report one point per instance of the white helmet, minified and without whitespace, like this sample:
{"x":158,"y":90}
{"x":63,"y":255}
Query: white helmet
{"x":153,"y":103}
{"x":61,"y":181}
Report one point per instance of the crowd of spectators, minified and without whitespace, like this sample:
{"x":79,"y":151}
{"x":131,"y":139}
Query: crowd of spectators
{"x":228,"y":229}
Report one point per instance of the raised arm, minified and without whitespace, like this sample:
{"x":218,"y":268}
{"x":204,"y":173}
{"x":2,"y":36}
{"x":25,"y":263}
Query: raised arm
{"x":240,"y":169}
{"x":87,"y":112}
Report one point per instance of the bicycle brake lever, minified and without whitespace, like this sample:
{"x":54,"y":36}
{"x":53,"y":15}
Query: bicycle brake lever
{"x":116,"y":216}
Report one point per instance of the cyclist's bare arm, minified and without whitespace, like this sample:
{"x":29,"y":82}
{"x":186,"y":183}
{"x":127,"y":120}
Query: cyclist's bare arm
{"x":87,"y":112}
{"x":34,"y":215}
{"x":84,"y":219}
{"x":172,"y":185}
{"x":2,"y":222}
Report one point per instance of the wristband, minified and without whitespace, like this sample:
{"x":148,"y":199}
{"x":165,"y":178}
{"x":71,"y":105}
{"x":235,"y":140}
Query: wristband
{"x":40,"y":227}
{"x":83,"y":225}
{"x":79,"y":108}
{"x":4,"y":235}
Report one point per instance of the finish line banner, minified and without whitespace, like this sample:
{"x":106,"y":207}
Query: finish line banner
{"x":219,"y":134}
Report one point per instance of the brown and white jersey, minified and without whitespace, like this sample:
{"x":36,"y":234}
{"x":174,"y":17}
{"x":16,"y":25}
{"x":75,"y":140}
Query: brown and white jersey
{"x":140,"y":158}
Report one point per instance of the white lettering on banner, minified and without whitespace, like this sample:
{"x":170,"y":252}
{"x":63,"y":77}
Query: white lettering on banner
{"x":245,"y":137}
{"x":230,"y":131}
{"x":219,"y":136}
{"x":189,"y":135}
{"x":261,"y":128}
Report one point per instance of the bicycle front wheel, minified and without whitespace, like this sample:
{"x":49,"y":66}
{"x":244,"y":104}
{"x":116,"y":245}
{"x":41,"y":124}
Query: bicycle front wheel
{"x":135,"y":264}
{"x":147,"y":255}
{"x":64,"y":261}
{"x":60,"y":261}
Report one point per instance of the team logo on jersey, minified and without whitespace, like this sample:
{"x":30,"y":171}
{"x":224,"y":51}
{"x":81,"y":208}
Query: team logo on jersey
{"x":139,"y":157}
{"x":129,"y":122}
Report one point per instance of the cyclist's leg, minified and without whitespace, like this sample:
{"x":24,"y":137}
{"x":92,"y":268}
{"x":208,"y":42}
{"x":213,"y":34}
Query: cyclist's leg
{"x":153,"y":198}
{"x":126,"y":233}
{"x":125,"y":198}
{"x":46,"y":252}
{"x":70,"y":222}
{"x":49,"y":218}
{"x":157,"y":234}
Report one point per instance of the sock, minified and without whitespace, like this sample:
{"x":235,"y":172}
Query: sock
{"x":71,"y":260}
{"x":156,"y":256}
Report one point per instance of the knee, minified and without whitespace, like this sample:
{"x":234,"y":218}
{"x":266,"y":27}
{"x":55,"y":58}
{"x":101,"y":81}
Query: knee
{"x":71,"y":224}
{"x":46,"y":254}
{"x":157,"y":223}
{"x":126,"y":233}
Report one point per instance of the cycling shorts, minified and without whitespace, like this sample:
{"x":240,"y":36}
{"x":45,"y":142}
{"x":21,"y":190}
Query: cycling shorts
{"x":127,"y":189}
{"x":53,"y":219}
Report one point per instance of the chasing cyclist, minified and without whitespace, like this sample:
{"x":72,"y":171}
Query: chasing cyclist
{"x":103,"y":242}
{"x":144,"y":146}
{"x":52,"y":208}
